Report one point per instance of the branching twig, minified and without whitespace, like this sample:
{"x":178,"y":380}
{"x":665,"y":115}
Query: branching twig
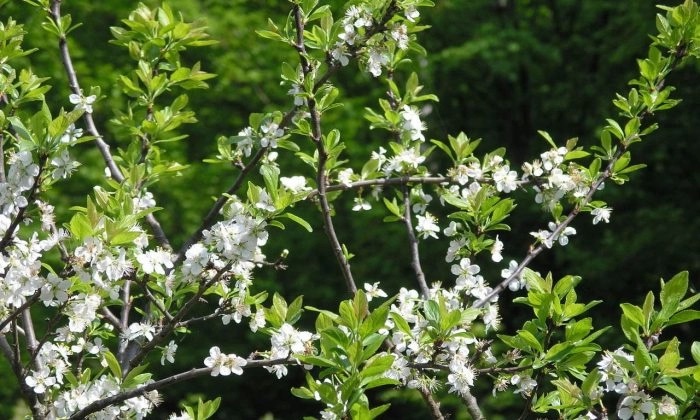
{"x":17,"y":312}
{"x":170,"y":326}
{"x":111,"y":318}
{"x":187,"y":322}
{"x":536,"y":250}
{"x":115,"y":172}
{"x":321,"y":175}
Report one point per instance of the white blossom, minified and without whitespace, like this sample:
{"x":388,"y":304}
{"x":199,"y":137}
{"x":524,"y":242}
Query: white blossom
{"x":461,"y":378}
{"x":637,"y":406}
{"x":295,"y":184}
{"x":427,"y":226}
{"x":524,"y":383}
{"x":361,"y":204}
{"x":373,"y":291}
{"x":505,"y":179}
{"x":82,"y":102}
{"x":411,"y":123}
{"x":271,"y":133}
{"x":375,"y":60}
{"x":40,"y":380}
{"x":601,"y":213}
{"x":155,"y":261}
{"x":496,"y":250}
{"x":169,"y":353}
{"x":288,"y":340}
{"x":224,"y":364}
{"x":63,"y":165}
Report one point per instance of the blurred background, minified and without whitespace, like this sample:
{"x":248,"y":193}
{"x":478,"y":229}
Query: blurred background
{"x":502,"y":69}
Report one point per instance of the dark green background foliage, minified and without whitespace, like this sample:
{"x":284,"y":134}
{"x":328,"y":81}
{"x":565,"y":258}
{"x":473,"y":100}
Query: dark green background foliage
{"x":502,"y":69}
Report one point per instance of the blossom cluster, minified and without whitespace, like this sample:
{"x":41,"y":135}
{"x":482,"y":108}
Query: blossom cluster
{"x":635,"y":403}
{"x":267,"y":135}
{"x":356,"y":23}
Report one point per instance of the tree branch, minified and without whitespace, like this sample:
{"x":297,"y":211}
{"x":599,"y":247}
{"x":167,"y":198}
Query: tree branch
{"x":179,"y":377}
{"x":213,"y":213}
{"x":413,"y":244}
{"x":114,"y":171}
{"x":172,"y":323}
{"x":472,"y":405}
{"x":28,"y":393}
{"x":433,"y":405}
{"x":321,"y":175}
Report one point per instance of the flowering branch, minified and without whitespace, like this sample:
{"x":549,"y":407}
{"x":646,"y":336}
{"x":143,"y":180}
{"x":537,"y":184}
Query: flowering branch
{"x":170,"y":326}
{"x":73,"y":83}
{"x":170,"y":380}
{"x":321,"y":176}
{"x":213,"y":213}
{"x":10,"y":232}
{"x":597,"y":184}
{"x":14,"y":314}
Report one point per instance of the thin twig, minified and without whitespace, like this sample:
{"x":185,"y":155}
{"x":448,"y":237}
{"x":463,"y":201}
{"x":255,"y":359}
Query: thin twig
{"x":676,"y":59}
{"x":111,"y":318}
{"x":30,"y":334}
{"x":413,"y":244}
{"x":170,"y":326}
{"x":17,"y":312}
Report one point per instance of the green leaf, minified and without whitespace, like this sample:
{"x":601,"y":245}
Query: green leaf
{"x":269,"y":35}
{"x":133,"y":377}
{"x":545,"y":135}
{"x":80,"y":226}
{"x":683,"y":317}
{"x":576,"y":154}
{"x":401,"y":323}
{"x":671,"y":357}
{"x":377,"y":366}
{"x":113,"y":364}
{"x":672,"y":293}
{"x":432,"y":311}
{"x":294,"y":310}
{"x":303,"y":223}
{"x":347,"y":314}
{"x":303,"y":393}
{"x":648,"y":309}
{"x":578,"y":330}
{"x":531,"y":340}
{"x":279,"y":306}
{"x":392,"y":207}
{"x":675,"y":390}
{"x":374,"y":321}
{"x":634,"y":313}
{"x":695,"y":351}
